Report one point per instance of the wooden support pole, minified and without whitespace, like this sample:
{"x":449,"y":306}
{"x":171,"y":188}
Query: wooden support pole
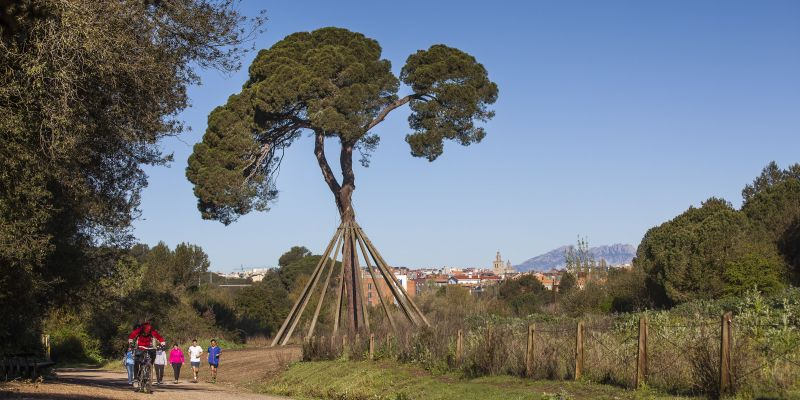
{"x":397,"y":282}
{"x":296,"y":308}
{"x":307,"y":295}
{"x":325,"y":286}
{"x":725,"y":354}
{"x":395,"y":287}
{"x":529,"y":351}
{"x":371,"y":346}
{"x":340,"y":292}
{"x":579,"y":350}
{"x":460,"y":347}
{"x":375,"y":283}
{"x":353,"y":313}
{"x":389,"y":278}
{"x":641,"y":354}
{"x":359,"y":282}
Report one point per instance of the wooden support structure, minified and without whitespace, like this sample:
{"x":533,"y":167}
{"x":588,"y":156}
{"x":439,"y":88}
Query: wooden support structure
{"x":529,"y":351}
{"x":375,"y":284}
{"x":641,"y":354}
{"x":725,"y":354}
{"x":296,"y":311}
{"x":579,"y":350}
{"x":350,"y":306}
{"x":325,"y":287}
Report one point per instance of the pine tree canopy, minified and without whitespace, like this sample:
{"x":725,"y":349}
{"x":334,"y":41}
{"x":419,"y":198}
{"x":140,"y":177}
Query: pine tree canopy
{"x":332,"y":83}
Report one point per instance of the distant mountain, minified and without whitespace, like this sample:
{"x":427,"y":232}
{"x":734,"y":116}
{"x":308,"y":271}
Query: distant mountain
{"x":614,"y":254}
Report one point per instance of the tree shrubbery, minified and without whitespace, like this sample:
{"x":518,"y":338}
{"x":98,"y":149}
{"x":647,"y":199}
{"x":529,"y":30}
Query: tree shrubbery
{"x":87,"y":90}
{"x":716,"y":250}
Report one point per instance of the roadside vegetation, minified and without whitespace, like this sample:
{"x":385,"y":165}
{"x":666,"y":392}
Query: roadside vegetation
{"x":386,"y":380}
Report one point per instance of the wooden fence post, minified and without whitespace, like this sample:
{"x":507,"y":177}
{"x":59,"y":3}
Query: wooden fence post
{"x":579,"y":351}
{"x":371,"y":346}
{"x":725,"y":353}
{"x":46,"y":345}
{"x":459,"y":347}
{"x":529,"y":351}
{"x":641,"y":354}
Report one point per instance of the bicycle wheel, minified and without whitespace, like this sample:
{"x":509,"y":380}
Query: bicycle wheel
{"x":147,"y":384}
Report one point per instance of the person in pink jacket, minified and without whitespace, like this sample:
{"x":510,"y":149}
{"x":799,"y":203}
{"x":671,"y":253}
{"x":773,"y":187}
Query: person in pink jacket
{"x":176,"y":359}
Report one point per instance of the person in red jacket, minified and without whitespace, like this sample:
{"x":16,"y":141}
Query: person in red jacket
{"x":144,"y":335}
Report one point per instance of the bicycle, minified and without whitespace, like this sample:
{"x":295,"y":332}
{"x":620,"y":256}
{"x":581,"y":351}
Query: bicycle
{"x":145,"y":372}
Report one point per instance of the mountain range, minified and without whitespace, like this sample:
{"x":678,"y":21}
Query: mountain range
{"x":614,"y":254}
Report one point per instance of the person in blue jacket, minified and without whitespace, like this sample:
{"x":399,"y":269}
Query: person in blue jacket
{"x":129,"y":362}
{"x":213,"y":359}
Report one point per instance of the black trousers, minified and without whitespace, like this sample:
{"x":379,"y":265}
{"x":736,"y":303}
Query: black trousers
{"x":176,"y":369}
{"x":159,"y":372}
{"x":138,"y":357}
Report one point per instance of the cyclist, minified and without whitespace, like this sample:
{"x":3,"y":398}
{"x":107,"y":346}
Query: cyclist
{"x":144,"y":334}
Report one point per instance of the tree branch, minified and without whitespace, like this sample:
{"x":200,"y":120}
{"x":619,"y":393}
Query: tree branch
{"x":395,"y":104}
{"x":327,"y":173}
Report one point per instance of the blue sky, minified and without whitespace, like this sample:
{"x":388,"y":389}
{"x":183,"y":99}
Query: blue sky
{"x":613,"y":117}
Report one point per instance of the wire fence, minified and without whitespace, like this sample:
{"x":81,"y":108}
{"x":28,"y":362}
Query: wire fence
{"x":709,"y":356}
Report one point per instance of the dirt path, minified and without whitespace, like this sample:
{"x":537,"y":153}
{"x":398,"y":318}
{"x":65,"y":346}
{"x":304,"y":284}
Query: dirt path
{"x":239,"y":370}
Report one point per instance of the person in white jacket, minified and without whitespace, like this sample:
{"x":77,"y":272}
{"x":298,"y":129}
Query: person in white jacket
{"x":160,"y":362}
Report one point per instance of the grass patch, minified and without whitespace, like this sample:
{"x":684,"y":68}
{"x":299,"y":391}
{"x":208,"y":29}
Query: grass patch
{"x":386,"y":380}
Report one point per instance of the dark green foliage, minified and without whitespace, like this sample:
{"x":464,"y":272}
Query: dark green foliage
{"x":567,"y":284}
{"x":524,"y":295}
{"x":688,"y":255}
{"x":716,"y":250}
{"x":291,"y":274}
{"x":334,"y":83}
{"x":294,"y":254}
{"x":87,"y":90}
{"x":758,"y":268}
{"x":263,"y":306}
{"x":772,"y":203}
{"x":452,"y":91}
{"x":628,"y":290}
{"x":179,"y":269}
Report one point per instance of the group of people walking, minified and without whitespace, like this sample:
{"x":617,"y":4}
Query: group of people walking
{"x":144,"y":335}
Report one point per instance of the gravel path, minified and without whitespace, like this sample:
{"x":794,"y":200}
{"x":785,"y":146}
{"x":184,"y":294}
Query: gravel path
{"x":239,"y":369}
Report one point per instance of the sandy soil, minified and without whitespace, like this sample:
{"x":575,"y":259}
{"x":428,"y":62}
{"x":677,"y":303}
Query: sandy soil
{"x":239,"y":371}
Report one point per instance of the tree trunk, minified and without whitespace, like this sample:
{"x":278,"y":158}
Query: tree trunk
{"x":343,"y":196}
{"x":347,"y":213}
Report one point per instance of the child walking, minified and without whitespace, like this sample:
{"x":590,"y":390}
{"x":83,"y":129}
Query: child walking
{"x":176,"y":360}
{"x":128,"y":361}
{"x":213,"y":359}
{"x":160,"y":362}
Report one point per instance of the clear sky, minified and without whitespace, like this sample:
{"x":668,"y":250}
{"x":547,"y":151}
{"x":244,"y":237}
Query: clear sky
{"x":613,"y":117}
